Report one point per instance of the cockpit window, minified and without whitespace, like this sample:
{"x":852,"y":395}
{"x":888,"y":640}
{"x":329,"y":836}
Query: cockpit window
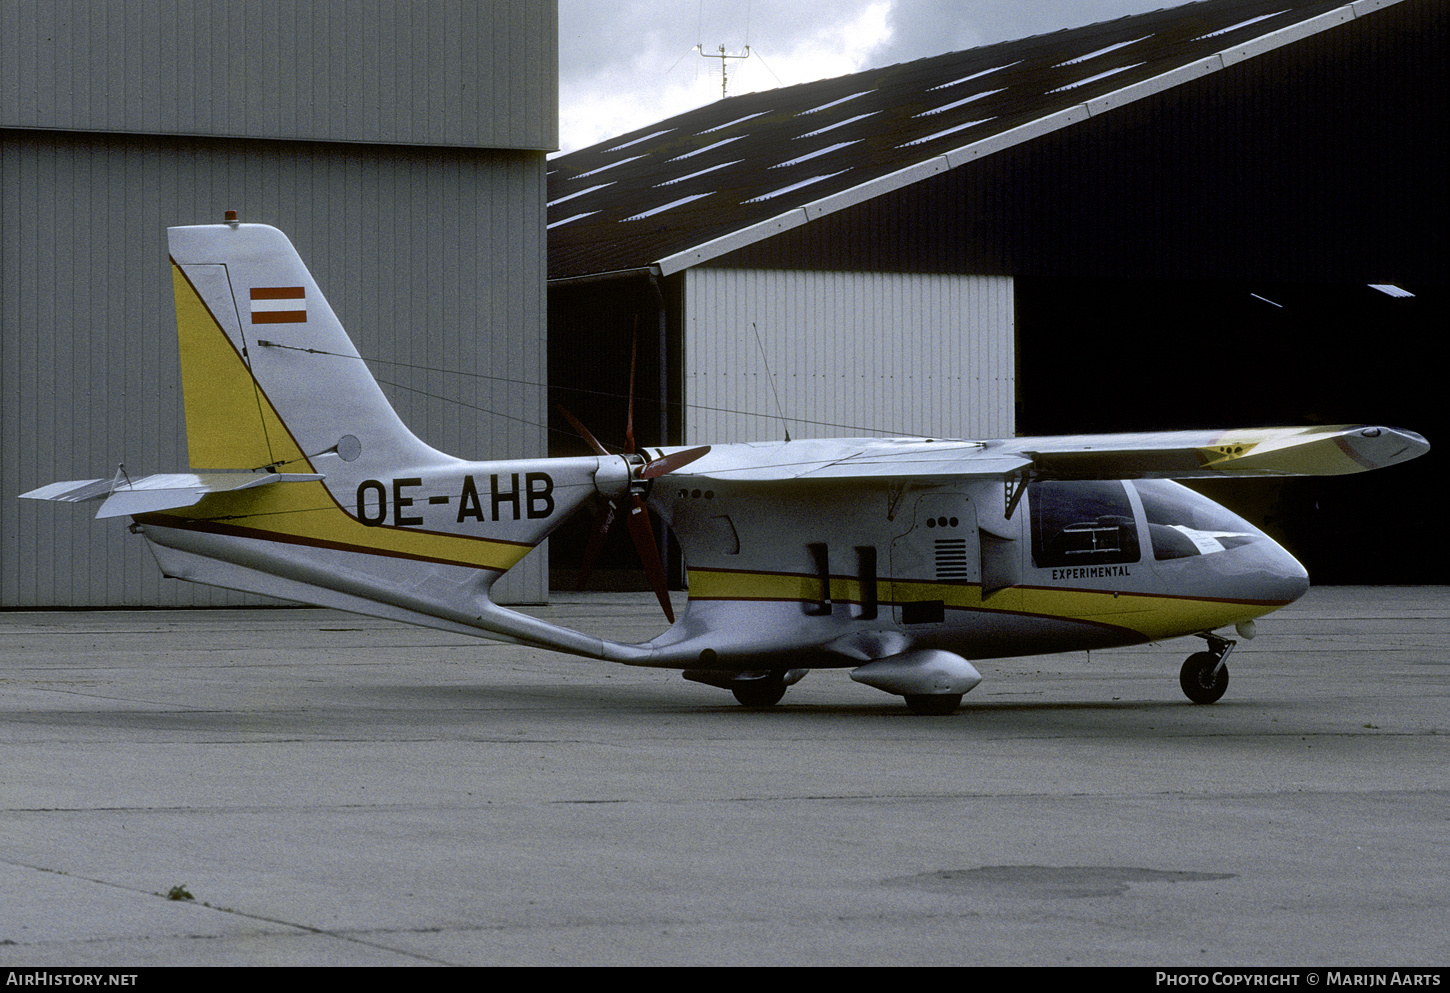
{"x":1082,"y":522}
{"x":1182,"y":523}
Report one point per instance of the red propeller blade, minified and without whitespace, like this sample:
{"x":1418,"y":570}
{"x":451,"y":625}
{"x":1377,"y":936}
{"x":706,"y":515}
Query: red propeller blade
{"x":581,"y":430}
{"x":671,"y":463}
{"x":629,"y":423}
{"x":643,"y":532}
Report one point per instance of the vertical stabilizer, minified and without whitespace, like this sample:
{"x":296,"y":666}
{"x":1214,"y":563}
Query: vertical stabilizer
{"x":270,"y":377}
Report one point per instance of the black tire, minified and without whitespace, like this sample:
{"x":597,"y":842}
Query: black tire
{"x":933,"y":704}
{"x":1198,"y":680}
{"x":760,"y":692}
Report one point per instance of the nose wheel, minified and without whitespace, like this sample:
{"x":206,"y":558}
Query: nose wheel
{"x":1204,"y":676}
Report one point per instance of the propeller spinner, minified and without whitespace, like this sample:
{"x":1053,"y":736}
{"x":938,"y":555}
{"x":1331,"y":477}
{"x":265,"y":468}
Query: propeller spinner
{"x":637,"y":517}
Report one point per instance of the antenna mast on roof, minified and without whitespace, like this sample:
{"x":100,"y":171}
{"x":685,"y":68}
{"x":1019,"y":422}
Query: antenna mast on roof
{"x":724,"y":66}
{"x":724,"y":56}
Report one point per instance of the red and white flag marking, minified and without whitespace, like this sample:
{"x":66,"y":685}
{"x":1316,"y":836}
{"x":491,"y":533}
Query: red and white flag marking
{"x":279,"y":304}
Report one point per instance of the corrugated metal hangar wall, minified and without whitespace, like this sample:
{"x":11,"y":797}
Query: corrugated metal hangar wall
{"x":400,"y":146}
{"x":841,"y":354}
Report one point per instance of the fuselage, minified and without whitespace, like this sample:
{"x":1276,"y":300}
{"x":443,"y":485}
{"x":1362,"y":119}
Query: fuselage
{"x":859,"y":569}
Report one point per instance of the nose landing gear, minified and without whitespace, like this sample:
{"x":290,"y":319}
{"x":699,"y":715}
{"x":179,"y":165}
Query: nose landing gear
{"x":1204,"y":676}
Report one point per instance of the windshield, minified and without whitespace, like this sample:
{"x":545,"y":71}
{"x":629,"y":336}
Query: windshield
{"x":1182,"y":523}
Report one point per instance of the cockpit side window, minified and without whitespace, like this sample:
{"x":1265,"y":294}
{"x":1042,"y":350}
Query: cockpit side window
{"x":1081,"y":522}
{"x":1182,"y":523}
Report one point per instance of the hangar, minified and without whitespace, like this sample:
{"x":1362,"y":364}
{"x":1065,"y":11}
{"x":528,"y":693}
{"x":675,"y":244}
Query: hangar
{"x":401,"y":147}
{"x":1226,"y":213}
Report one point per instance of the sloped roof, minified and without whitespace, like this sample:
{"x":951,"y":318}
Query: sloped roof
{"x":695,"y":186}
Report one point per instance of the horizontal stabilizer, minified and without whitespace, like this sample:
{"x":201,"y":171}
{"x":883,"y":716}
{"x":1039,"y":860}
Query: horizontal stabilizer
{"x":72,"y":490}
{"x":163,"y":491}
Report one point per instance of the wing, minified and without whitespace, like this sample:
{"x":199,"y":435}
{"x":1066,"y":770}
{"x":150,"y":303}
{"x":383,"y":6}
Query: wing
{"x":164,"y":491}
{"x":1285,"y":451}
{"x":1303,"y":451}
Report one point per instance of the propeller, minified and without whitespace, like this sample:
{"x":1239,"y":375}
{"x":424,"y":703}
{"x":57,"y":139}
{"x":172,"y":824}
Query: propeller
{"x":637,"y":516}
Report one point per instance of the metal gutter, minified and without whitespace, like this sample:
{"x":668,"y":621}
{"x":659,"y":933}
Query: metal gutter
{"x":640,"y":272}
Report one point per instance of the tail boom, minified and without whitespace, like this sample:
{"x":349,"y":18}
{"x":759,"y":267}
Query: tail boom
{"x":444,"y":596}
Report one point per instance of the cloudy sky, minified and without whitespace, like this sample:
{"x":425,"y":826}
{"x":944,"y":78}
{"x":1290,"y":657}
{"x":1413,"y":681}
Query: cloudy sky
{"x":627,"y":63}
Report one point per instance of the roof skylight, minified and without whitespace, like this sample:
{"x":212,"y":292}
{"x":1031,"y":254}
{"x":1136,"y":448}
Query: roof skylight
{"x":638,"y":140}
{"x":669,"y":206}
{"x":834,"y":103}
{"x":794,"y":186}
{"x":975,"y":75}
{"x":957,"y":103}
{"x":838,"y":124}
{"x":722,"y":127}
{"x":570,"y":219}
{"x":1240,"y":24}
{"x":943,"y":133}
{"x":1101,"y":51}
{"x":595,"y":172}
{"x":1094,"y":78}
{"x":816,"y":154}
{"x":701,"y":172}
{"x":580,"y":193}
{"x":709,"y":147}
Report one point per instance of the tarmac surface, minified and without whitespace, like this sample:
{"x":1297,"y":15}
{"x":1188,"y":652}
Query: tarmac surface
{"x":336,"y":790}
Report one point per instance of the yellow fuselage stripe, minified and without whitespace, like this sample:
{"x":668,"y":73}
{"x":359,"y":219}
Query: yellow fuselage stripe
{"x":1149,"y":615}
{"x":306,"y":514}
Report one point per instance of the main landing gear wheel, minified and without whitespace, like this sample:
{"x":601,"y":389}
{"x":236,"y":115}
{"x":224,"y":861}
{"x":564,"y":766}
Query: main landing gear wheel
{"x":933,"y":704}
{"x":760,"y":692}
{"x":1200,"y":682}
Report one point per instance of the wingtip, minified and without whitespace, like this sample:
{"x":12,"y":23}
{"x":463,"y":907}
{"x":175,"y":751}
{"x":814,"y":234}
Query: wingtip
{"x":1375,"y":446}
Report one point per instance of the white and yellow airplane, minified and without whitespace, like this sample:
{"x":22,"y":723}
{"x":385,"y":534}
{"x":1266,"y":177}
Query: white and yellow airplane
{"x":900,"y":559}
